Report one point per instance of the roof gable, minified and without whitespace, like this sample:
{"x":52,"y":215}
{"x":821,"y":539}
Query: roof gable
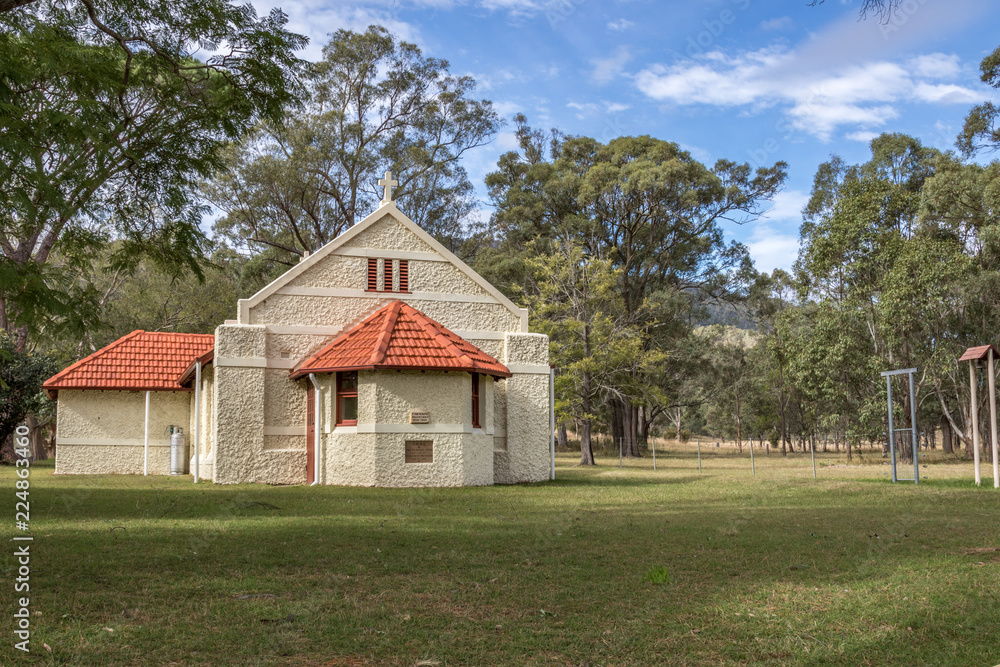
{"x":140,"y":361}
{"x":386,"y":209}
{"x":398,"y":336}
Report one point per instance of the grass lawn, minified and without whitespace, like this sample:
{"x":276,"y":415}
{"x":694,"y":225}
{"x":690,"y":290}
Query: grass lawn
{"x":602,"y":567}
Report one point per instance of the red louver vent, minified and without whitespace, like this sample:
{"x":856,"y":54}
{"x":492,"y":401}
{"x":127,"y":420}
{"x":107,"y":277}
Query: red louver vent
{"x":372,"y":275}
{"x":404,"y":276}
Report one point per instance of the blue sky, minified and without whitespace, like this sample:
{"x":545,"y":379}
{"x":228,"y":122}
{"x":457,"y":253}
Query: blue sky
{"x":745,"y":80}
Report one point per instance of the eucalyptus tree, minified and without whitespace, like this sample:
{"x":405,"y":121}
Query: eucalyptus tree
{"x":374,"y":104}
{"x":109,"y":114}
{"x":649,"y":209}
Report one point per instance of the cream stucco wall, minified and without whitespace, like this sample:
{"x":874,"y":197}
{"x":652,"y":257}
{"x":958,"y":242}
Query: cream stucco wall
{"x":527,"y":454}
{"x":102,"y":432}
{"x":372,"y":453}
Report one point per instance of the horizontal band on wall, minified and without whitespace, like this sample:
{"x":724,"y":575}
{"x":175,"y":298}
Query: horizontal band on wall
{"x":533,"y":369}
{"x":349,"y":292}
{"x":241,"y":362}
{"x":284,"y":430}
{"x":402,"y":428}
{"x":305,"y":330}
{"x":390,"y":254}
{"x":110,"y":442}
{"x":302,"y":330}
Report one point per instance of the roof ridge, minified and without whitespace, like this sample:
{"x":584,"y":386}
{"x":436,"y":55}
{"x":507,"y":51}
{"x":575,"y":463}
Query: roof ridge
{"x":93,"y":355}
{"x":388,"y":328}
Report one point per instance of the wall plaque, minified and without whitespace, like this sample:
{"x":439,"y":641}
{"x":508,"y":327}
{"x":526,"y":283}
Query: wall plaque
{"x":420,"y":417}
{"x":420,"y":451}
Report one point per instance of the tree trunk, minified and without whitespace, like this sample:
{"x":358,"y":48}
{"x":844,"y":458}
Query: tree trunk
{"x":36,"y":439}
{"x":563,"y":438}
{"x":630,"y":418}
{"x":642,"y":428}
{"x":586,"y":450}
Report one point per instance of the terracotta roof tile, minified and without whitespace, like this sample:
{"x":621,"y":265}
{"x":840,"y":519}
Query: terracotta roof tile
{"x":140,"y":361}
{"x":398,"y":336}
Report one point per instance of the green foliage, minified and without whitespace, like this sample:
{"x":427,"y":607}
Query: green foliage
{"x":21,"y":378}
{"x":375,"y":104}
{"x":107,"y":120}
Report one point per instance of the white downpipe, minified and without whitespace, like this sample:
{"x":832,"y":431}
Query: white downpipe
{"x":552,"y":421}
{"x":145,"y":443}
{"x":197,"y":416}
{"x":319,"y":423}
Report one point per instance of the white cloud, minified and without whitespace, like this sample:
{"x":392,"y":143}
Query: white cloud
{"x":620,"y":25}
{"x":781,"y":23}
{"x":861,"y":135}
{"x":606,"y":69}
{"x":935,"y":66}
{"x":817,"y":100}
{"x":787,"y":205}
{"x":772,"y":249}
{"x":947,"y":93}
{"x":585,"y":109}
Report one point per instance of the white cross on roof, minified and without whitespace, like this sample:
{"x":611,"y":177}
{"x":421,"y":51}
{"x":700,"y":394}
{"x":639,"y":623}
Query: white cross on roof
{"x":387,"y":184}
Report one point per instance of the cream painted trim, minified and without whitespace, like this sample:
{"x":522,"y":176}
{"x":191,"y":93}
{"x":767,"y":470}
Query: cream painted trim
{"x":499,"y":432}
{"x":479,"y":334}
{"x":531,"y":369}
{"x":414,"y":428}
{"x":341,"y":430}
{"x":284,"y":430}
{"x":281,"y":364}
{"x":373,"y":217}
{"x":240,"y":362}
{"x":390,"y":254}
{"x":348,"y":292}
{"x":110,"y":442}
{"x":304,"y":330}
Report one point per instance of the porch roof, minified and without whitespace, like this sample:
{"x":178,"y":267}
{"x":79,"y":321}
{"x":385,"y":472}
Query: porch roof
{"x":400,"y":337}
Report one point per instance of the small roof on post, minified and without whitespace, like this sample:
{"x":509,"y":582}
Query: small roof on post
{"x":400,"y":337}
{"x":978,"y":353}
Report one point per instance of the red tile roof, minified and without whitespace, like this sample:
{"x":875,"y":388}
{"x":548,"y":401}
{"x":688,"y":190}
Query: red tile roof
{"x":977,"y":353}
{"x":398,"y":336}
{"x":140,"y":361}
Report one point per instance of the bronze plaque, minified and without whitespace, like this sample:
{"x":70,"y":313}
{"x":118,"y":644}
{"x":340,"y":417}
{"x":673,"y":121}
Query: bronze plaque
{"x":420,"y":417}
{"x":420,"y":451}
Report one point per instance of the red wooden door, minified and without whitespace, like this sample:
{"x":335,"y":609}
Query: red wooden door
{"x":310,"y":434}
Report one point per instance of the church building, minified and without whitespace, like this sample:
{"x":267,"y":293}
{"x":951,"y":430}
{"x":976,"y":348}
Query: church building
{"x":379,"y":360}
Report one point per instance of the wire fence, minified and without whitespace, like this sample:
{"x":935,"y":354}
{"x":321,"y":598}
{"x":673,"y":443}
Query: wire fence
{"x":811,"y":458}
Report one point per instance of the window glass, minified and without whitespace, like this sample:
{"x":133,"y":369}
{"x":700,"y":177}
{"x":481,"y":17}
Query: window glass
{"x":349,"y":408}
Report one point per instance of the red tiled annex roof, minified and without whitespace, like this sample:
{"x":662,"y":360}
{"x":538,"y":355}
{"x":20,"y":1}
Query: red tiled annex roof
{"x":140,"y":361}
{"x":398,"y":336}
{"x":977,"y":353}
